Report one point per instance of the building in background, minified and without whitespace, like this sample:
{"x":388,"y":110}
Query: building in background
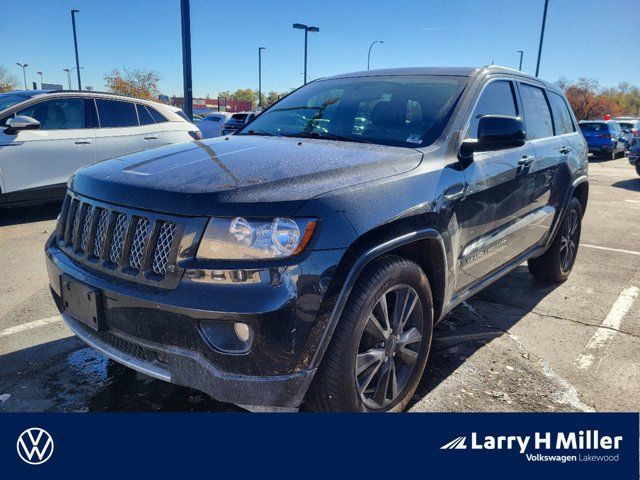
{"x":204,"y":105}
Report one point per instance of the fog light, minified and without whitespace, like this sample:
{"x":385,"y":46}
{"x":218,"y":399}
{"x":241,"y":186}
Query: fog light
{"x":243,"y":332}
{"x":228,"y":337}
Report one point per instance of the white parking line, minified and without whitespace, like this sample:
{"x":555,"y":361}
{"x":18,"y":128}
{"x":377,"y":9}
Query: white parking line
{"x":605,"y":333}
{"x":28,"y":326}
{"x":619,"y":250}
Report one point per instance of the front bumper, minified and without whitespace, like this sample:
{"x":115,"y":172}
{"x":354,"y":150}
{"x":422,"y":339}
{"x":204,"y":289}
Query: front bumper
{"x":158,"y":332}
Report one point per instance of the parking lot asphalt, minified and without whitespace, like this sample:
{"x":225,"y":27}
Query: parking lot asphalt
{"x":517,"y":346}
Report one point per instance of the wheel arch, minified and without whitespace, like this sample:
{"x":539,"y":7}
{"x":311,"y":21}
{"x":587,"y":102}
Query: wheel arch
{"x":425,"y":246}
{"x":581,"y":192}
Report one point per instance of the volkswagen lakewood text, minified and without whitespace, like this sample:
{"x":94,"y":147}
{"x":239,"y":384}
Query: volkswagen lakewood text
{"x":307,"y":257}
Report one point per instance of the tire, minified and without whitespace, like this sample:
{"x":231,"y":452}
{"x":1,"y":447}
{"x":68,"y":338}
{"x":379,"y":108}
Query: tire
{"x":391,"y":351}
{"x":556,"y":263}
{"x":613,"y":155}
{"x":638,"y":166}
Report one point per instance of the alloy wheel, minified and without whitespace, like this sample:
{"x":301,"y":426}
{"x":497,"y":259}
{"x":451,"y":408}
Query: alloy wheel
{"x":569,"y":241}
{"x":389,"y":347}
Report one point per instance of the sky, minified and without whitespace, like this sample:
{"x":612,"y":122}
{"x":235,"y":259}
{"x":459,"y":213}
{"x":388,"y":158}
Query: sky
{"x":584,"y":38}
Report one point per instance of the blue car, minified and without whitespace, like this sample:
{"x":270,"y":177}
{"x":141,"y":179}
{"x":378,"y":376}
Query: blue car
{"x":634,"y":156}
{"x":605,"y":138}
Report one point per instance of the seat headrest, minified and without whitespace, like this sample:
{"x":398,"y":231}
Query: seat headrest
{"x":388,"y":114}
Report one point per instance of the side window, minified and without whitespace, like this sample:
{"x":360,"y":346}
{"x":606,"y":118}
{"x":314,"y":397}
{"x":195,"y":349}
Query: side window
{"x":537,"y":116}
{"x":144,"y":115}
{"x":561,"y":116}
{"x":496,"y":99}
{"x":57,"y":114}
{"x":113,"y":113}
{"x":157,"y":116}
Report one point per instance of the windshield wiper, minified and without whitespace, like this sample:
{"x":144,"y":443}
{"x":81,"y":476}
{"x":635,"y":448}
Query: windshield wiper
{"x":329,"y":136}
{"x":260,"y":132}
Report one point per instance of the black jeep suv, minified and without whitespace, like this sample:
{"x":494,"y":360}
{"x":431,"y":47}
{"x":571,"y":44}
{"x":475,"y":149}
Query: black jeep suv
{"x":307,"y":257}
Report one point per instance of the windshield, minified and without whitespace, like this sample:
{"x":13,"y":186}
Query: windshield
{"x":10,"y":99}
{"x":408,"y":111}
{"x":239,"y":116}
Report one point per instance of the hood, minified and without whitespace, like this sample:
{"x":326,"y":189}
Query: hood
{"x":239,"y":174}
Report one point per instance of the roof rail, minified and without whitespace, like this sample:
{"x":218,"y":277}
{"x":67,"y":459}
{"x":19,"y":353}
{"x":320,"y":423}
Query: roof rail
{"x":89,"y":91}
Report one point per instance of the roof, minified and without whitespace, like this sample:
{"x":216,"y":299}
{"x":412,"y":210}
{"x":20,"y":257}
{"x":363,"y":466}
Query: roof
{"x":444,"y":71}
{"x":450,"y":71}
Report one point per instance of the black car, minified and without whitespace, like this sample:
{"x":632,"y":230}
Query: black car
{"x":236,"y":121}
{"x":307,"y":257}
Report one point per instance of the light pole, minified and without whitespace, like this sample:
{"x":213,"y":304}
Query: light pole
{"x":69,"y":70}
{"x":521,"y":52}
{"x":41,"y":80}
{"x":75,"y":44}
{"x":544,"y":22}
{"x":306,"y":29}
{"x":260,"y":77}
{"x":369,"y":54}
{"x":24,"y":75}
{"x":185,"y":14}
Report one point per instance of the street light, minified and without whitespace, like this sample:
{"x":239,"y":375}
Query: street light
{"x":41,"y":80}
{"x":75,"y":44}
{"x":306,"y":29}
{"x":24,"y":67}
{"x":544,"y":22}
{"x":69,"y":70}
{"x":521,"y":52}
{"x":260,"y":77}
{"x":369,"y":54}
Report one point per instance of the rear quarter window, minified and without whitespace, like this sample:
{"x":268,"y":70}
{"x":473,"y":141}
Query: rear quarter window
{"x":561,"y":116}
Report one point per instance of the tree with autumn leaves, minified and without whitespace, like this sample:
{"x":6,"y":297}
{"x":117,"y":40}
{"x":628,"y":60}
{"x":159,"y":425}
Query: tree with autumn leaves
{"x":138,"y":83}
{"x":589,"y":101}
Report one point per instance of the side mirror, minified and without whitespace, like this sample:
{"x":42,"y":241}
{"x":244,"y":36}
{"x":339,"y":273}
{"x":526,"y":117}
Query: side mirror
{"x":21,"y":122}
{"x":495,"y":132}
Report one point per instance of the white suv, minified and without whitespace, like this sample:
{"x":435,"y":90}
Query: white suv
{"x":46,"y":136}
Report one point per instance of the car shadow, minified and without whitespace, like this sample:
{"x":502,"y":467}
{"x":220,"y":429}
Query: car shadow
{"x":29,"y":214}
{"x":467,"y":329}
{"x":632,"y":184}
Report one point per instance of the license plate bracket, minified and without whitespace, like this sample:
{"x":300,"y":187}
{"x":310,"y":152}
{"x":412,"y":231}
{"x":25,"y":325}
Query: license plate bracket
{"x":82,"y":302}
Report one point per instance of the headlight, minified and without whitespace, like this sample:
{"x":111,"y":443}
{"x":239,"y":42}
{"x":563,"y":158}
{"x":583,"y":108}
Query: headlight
{"x":247,"y":239}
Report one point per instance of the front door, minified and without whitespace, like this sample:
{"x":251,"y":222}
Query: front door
{"x":47,"y":157}
{"x":494,"y":215}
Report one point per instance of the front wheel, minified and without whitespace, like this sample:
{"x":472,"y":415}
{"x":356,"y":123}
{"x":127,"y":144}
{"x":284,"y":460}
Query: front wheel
{"x":380,"y":347}
{"x":638,"y":166}
{"x":556,"y":263}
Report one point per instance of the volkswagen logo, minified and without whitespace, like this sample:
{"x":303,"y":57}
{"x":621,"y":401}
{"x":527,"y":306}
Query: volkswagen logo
{"x":35,"y":446}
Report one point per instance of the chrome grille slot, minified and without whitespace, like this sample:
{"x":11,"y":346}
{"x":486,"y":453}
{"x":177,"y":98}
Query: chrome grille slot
{"x":72,"y":220}
{"x":101,"y":232}
{"x":163,"y":247}
{"x":86,"y":227}
{"x":117,"y":240}
{"x":139,"y":241}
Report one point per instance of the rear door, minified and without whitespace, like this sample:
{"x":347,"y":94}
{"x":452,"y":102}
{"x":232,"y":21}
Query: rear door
{"x":493,"y":215}
{"x":550,"y":151}
{"x":120,"y":131}
{"x":47,"y":157}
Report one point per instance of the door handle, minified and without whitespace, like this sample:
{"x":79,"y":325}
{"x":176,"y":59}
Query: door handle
{"x":565,"y":150}
{"x":151,"y":137}
{"x":82,"y":142}
{"x":455,"y":191}
{"x":526,"y":160}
